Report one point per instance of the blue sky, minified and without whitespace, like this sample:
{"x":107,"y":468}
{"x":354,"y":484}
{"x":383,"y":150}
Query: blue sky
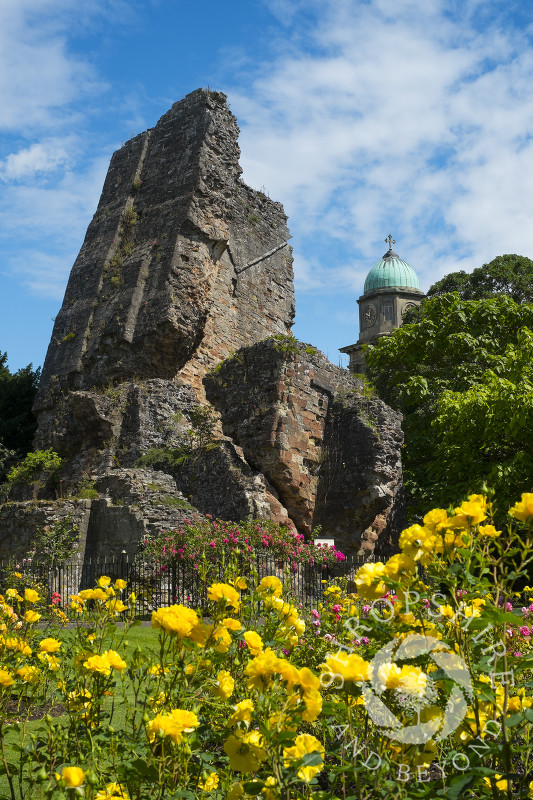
{"x":363,"y":118}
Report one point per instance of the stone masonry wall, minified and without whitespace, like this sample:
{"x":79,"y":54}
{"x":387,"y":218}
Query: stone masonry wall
{"x":182,"y":296}
{"x":331,"y":452}
{"x":21,"y":521}
{"x":179,"y":266}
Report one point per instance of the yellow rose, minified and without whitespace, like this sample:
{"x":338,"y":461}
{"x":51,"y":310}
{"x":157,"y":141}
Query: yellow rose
{"x":72,"y":776}
{"x":6,"y":680}
{"x":224,"y":685}
{"x":49,"y":645}
{"x":115,"y":661}
{"x":116,"y":606}
{"x":270,"y":585}
{"x":435,"y":519}
{"x":242,"y":713}
{"x":175,"y":619}
{"x":488,"y":531}
{"x":231,"y":624}
{"x":523,"y":510}
{"x":350,"y":667}
{"x":222,"y":639}
{"x":501,"y":784}
{"x":31,"y":596}
{"x":304,"y":744}
{"x":400,"y":566}
{"x":245,"y":751}
{"x":173,"y":725}
{"x":313,"y":705}
{"x":418,"y":543}
{"x":369,"y":587}
{"x":224,"y":593}
{"x":254,"y":642}
{"x":98,"y":664}
{"x":389,"y":675}
{"x":210,"y":783}
{"x":113,"y":791}
{"x":28,"y":674}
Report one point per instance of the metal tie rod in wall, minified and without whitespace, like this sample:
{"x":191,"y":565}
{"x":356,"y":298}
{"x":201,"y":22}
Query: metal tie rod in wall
{"x":262,"y":258}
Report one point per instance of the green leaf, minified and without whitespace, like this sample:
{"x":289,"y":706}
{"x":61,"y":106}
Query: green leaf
{"x":253,"y":787}
{"x":312,"y":759}
{"x":459,"y":785}
{"x":514,"y":720}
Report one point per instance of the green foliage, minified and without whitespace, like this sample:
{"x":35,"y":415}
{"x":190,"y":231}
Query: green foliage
{"x":86,"y":490}
{"x":17,"y":393}
{"x":285,"y":344}
{"x":213,"y":542}
{"x":174,"y":502}
{"x":55,"y":543}
{"x":414,"y":695}
{"x":125,"y":246}
{"x":36,"y":466}
{"x":199,"y":437}
{"x":462,"y":378}
{"x":130,"y":218}
{"x":116,"y":278}
{"x":203,"y":421}
{"x":509,"y":275}
{"x":7,"y":459}
{"x":163,"y":456}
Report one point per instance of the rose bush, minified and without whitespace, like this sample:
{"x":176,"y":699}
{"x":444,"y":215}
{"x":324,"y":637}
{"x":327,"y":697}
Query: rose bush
{"x":204,"y":539}
{"x":411,"y":679}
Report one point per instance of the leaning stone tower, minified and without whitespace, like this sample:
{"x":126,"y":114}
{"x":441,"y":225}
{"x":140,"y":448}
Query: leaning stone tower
{"x":180,"y":303}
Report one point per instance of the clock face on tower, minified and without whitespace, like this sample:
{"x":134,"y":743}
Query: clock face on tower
{"x":369,"y":315}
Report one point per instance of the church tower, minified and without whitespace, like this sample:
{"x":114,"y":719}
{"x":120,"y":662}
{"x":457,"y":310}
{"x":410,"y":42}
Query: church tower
{"x":391,"y":288}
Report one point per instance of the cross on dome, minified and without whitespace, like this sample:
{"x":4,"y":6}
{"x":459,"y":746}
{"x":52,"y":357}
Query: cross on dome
{"x":391,"y":241}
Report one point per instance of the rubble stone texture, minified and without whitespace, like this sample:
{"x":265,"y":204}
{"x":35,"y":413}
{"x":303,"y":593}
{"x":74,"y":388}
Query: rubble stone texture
{"x":184,"y":277}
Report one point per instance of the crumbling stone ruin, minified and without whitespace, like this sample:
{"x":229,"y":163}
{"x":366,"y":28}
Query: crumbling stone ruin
{"x":172,"y":384}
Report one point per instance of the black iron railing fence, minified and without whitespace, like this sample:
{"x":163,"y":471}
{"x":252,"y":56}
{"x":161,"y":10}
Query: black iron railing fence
{"x":156,"y":585}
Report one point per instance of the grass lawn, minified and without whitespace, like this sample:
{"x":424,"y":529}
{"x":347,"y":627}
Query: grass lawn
{"x":138,"y":636}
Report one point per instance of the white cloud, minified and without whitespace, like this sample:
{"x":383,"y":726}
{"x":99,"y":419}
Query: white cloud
{"x":41,"y":82}
{"x":50,"y":225}
{"x":393,"y":116}
{"x":41,"y":157}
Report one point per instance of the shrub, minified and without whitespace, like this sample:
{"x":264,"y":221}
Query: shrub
{"x":206,"y":539}
{"x":417,"y":686}
{"x":36,"y":466}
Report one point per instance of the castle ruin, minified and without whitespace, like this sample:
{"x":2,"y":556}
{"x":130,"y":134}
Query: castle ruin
{"x":181,"y":299}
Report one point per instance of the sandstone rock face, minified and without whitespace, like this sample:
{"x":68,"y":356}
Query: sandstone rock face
{"x":331,"y":451}
{"x":182,"y":298}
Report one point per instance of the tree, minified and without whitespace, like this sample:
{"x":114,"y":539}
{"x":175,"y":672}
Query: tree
{"x":509,"y":275}
{"x":463,"y":378}
{"x":17,"y":393}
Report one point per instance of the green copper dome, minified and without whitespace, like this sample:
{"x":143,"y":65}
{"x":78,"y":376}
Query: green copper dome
{"x":391,"y":270}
